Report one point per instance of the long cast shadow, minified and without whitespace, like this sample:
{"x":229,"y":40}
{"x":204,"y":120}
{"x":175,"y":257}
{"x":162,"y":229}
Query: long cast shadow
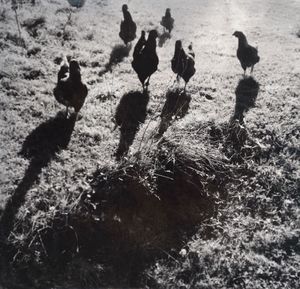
{"x":39,"y":147}
{"x":130,"y":113}
{"x":246,"y":93}
{"x":176,"y":106}
{"x":118,"y":53}
{"x":162,"y":38}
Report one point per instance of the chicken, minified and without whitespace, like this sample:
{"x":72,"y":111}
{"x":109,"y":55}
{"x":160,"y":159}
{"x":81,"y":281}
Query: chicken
{"x":140,"y":44}
{"x":127,"y":27}
{"x":145,"y":59}
{"x":70,"y":91}
{"x":183,"y":64}
{"x":246,"y":54}
{"x":167,"y":21}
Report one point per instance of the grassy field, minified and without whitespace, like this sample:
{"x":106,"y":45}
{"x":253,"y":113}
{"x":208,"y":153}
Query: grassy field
{"x":207,"y":195}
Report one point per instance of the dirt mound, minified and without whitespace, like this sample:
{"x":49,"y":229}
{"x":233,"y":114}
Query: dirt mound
{"x":131,"y":216}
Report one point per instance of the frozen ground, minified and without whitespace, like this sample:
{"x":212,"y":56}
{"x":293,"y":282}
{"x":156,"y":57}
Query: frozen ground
{"x":47,"y":165}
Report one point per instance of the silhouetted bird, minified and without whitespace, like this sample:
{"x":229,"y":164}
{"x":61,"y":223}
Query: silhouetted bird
{"x":145,"y":59}
{"x":246,"y":53}
{"x":140,"y":44}
{"x":183,"y":64}
{"x":127,"y":27}
{"x":70,"y":91}
{"x":167,"y":21}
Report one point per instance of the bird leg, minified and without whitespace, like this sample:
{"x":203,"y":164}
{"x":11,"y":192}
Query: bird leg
{"x":67,"y":112}
{"x":148,"y":81}
{"x":146,"y":84}
{"x":252,"y":67}
{"x":184,"y":87}
{"x":77,"y":115}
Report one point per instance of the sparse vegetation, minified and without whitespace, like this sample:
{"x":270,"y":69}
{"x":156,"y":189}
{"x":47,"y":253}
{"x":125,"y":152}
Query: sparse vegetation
{"x":20,"y":40}
{"x":3,"y":14}
{"x":195,"y":189}
{"x":33,"y":24}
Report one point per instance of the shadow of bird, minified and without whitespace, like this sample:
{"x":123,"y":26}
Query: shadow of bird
{"x":39,"y":147}
{"x":182,"y":63}
{"x":176,"y":106}
{"x":162,"y":38}
{"x":130,"y":113}
{"x":127,"y":27}
{"x":246,"y":54}
{"x":246,"y":93}
{"x":167,"y":21}
{"x":117,"y":55}
{"x":145,"y":59}
{"x":70,"y":91}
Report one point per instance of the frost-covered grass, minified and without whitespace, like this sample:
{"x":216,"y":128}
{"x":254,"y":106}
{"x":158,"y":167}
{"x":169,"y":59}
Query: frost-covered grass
{"x":210,"y":204}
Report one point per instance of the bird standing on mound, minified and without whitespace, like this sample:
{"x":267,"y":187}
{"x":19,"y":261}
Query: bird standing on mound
{"x":145,"y":59}
{"x":127,"y":27}
{"x":167,"y":21}
{"x":70,"y":91}
{"x":246,"y":54}
{"x":183,"y":64}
